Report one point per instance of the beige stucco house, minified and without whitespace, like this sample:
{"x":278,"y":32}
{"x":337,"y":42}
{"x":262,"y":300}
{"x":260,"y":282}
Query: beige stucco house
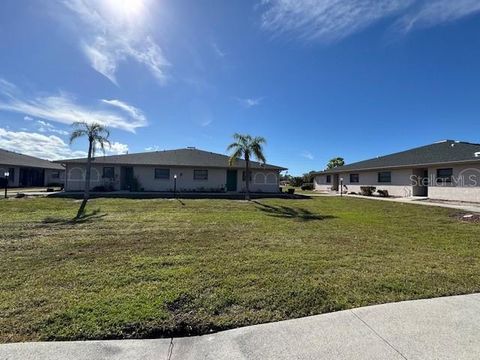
{"x":186,"y":170}
{"x":447,"y":170}
{"x":27,"y":171}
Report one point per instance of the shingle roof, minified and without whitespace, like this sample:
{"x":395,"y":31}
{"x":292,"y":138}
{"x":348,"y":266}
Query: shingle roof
{"x":181,"y":157}
{"x":16,"y":159}
{"x":444,"y":152}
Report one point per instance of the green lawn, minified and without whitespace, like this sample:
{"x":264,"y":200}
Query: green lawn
{"x":149,"y":268}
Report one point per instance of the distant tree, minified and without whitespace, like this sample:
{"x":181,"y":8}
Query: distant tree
{"x":296,"y":181}
{"x":97,"y":135}
{"x":308,"y":177}
{"x":247,"y":147}
{"x":335,"y":162}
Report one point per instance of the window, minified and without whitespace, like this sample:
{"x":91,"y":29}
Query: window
{"x":200,"y":174}
{"x":385,"y":177}
{"x":444,"y":175}
{"x":354,"y":178}
{"x":108,"y":173}
{"x":244,"y":176}
{"x":163,"y":174}
{"x":329,"y":179}
{"x":56,"y":175}
{"x":11,"y":174}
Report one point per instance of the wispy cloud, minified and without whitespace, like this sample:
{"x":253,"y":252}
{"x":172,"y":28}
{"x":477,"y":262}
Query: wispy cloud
{"x":206,"y":123}
{"x":432,"y":13}
{"x":249,"y":102}
{"x":63,"y":108}
{"x":333,"y":20}
{"x":110,"y":32}
{"x":216,"y":49}
{"x":46,"y":127}
{"x":308,"y":155}
{"x":153,"y":148}
{"x":49,"y":147}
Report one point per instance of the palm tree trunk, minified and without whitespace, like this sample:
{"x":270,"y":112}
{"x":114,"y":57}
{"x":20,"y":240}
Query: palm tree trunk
{"x":247,"y":179}
{"x":86,"y":193}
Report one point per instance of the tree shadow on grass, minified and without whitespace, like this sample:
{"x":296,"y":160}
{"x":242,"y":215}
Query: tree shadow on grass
{"x":291,"y":213}
{"x":87,"y":217}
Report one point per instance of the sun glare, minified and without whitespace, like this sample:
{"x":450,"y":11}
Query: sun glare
{"x":126,"y":10}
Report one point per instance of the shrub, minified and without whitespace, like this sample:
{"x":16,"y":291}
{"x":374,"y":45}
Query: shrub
{"x":103,"y":188}
{"x":54,"y":184}
{"x":296,"y":181}
{"x":291,"y":191}
{"x":135,"y":185}
{"x":367,"y":190}
{"x":383,"y":193}
{"x":307,"y":186}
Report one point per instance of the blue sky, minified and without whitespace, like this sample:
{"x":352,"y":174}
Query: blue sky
{"x":317,"y":78}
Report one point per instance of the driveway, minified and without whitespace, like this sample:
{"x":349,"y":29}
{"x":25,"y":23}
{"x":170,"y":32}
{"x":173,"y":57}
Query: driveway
{"x":441,"y":328}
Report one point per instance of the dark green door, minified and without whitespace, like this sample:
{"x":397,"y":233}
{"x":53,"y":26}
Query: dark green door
{"x":126,"y":177}
{"x":231,"y":180}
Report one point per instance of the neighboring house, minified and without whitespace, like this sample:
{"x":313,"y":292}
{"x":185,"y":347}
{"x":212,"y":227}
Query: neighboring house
{"x":195,"y":170}
{"x":28,"y":171}
{"x":447,"y":170}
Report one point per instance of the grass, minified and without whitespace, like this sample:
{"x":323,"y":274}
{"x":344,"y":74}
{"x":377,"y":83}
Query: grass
{"x":150,"y":268}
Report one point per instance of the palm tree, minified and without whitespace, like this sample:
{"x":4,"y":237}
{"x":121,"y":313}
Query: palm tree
{"x":247,"y":147}
{"x":97,"y":135}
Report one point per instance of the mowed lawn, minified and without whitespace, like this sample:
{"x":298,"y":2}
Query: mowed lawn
{"x":153,"y":268}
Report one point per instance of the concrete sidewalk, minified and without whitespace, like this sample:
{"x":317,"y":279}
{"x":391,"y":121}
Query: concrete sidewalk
{"x":462,"y":206}
{"x":442,"y":328}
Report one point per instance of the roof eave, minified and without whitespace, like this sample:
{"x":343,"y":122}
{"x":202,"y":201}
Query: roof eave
{"x":340,"y":170}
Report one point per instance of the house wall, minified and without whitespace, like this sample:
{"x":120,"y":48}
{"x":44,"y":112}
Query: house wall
{"x":12,"y":182}
{"x":262,"y":180}
{"x":401,"y":184}
{"x":465,"y":185}
{"x":50,"y":179}
{"x":320,"y":183}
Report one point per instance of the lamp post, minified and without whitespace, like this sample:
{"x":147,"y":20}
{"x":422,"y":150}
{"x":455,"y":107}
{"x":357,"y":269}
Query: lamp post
{"x":341,"y":187}
{"x":6,"y":174}
{"x":175,"y":185}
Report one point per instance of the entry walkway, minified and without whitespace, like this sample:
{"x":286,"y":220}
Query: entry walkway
{"x":441,"y":328}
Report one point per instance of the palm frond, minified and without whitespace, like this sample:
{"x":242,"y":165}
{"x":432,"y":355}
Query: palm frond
{"x":235,"y":155}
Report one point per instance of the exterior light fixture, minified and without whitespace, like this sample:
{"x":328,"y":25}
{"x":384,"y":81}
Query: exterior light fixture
{"x":6,"y":174}
{"x":175,"y":185}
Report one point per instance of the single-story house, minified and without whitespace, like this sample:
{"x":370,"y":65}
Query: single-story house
{"x":446,"y":170}
{"x":187,"y":170}
{"x":26,"y":171}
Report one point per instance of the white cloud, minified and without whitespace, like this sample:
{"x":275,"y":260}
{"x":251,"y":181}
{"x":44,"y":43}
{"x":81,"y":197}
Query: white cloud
{"x":308,"y":155}
{"x":153,"y":148}
{"x":250,"y":102}
{"x":117,"y":148}
{"x":333,"y":20}
{"x":113,"y":31}
{"x":63,"y":108}
{"x":49,"y":147}
{"x":27,"y":118}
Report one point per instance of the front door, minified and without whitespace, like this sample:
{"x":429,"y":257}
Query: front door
{"x":231,"y":180}
{"x":126,"y":177}
{"x":336,"y":182}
